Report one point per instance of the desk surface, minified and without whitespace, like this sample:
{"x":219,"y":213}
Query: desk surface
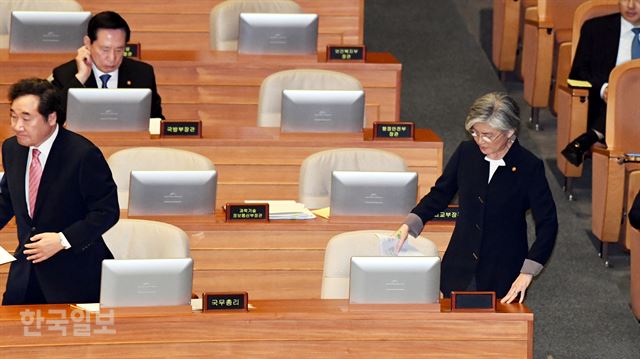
{"x":222,"y":87}
{"x":310,"y":328}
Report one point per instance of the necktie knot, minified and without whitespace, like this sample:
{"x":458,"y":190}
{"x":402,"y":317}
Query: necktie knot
{"x":635,"y":44}
{"x":36,"y":154}
{"x":105,"y":78}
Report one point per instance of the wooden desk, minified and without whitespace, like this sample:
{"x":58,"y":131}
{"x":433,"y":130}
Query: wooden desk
{"x":262,"y":163}
{"x":275,"y":329}
{"x":185,"y":24}
{"x":221,"y":88}
{"x":276,"y":260}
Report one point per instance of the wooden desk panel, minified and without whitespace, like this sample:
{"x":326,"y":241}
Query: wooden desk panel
{"x":262,"y":163}
{"x":276,"y":260}
{"x":310,"y":328}
{"x":181,"y":25}
{"x":223,"y":87}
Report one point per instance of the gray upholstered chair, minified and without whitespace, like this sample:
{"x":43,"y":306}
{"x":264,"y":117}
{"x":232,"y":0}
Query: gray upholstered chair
{"x":151,"y":159}
{"x":315,"y":171}
{"x":340,"y":249}
{"x":224,"y":19}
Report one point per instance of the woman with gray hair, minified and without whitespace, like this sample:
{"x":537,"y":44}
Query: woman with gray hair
{"x":497,"y":181}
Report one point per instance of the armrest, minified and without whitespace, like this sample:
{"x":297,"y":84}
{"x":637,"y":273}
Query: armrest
{"x":574,"y":91}
{"x":531,"y":17}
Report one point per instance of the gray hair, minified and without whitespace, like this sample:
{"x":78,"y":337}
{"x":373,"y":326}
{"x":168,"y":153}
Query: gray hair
{"x":496,"y":109}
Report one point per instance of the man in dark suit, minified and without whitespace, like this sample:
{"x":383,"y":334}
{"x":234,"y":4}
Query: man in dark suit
{"x":59,"y":187}
{"x":605,"y":42}
{"x":101,"y":62}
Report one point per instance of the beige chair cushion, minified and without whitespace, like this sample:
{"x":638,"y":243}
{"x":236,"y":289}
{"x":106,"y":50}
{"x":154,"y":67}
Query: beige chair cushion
{"x":6,"y":6}
{"x":151,"y":159}
{"x":315,"y":171}
{"x":270,"y":100}
{"x":141,"y":239}
{"x":340,"y":249}
{"x":224,"y":19}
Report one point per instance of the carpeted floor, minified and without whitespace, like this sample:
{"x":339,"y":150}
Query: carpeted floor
{"x":581,"y":307}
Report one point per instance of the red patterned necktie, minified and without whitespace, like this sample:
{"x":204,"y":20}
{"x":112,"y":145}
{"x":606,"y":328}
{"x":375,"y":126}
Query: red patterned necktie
{"x":35,"y":173}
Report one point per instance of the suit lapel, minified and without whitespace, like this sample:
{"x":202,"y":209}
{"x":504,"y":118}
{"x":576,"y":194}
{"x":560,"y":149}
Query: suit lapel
{"x":91,"y":81}
{"x":21,"y":172}
{"x":124,"y":75}
{"x":54,"y":162}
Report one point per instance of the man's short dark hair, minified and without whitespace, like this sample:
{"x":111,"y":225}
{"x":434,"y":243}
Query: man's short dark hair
{"x":50,"y":99}
{"x":107,"y":20}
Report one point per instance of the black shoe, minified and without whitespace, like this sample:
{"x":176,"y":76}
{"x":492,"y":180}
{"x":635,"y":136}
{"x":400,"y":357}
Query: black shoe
{"x":574,"y":152}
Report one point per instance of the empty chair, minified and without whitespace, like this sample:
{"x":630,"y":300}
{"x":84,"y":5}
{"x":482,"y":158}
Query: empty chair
{"x":152,"y":159}
{"x":270,"y":99}
{"x":7,"y":6}
{"x":546,"y":26}
{"x":224,"y":19}
{"x":340,"y":249}
{"x":142,"y":239}
{"x":507,"y":25}
{"x":315,"y":171}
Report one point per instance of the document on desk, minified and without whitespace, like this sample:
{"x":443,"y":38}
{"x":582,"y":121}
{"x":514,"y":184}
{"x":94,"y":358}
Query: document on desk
{"x":388,"y":247}
{"x":286,"y":209}
{"x":5,"y":257}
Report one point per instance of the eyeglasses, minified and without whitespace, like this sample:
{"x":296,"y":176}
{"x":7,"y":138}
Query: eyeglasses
{"x":486,"y":137}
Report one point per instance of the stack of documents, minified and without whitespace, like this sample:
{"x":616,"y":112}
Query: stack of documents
{"x":388,"y":245}
{"x":286,"y":209}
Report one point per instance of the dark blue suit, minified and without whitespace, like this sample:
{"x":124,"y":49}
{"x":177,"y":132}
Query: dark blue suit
{"x":490,"y":235}
{"x":77,"y":196}
{"x":131,"y":74}
{"x":594,"y":60}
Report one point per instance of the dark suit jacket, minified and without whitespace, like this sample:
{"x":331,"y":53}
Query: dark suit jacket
{"x":131,"y":74}
{"x":634,"y":212}
{"x":595,"y":57}
{"x":77,"y":196}
{"x":490,"y":235}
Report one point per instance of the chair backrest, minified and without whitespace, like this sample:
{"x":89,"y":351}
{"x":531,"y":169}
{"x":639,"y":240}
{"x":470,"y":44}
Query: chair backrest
{"x":224,"y":19}
{"x":556,"y":11}
{"x":142,"y":239}
{"x":151,"y":159}
{"x":340,"y":249}
{"x":586,"y":11}
{"x":270,"y":99}
{"x":623,"y":111}
{"x":315,"y":171}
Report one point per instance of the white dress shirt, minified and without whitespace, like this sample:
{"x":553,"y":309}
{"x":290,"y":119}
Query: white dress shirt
{"x":113,"y":80}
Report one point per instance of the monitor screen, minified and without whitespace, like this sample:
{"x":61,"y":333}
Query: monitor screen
{"x":47,"y":31}
{"x":275,"y":33}
{"x":90,"y":109}
{"x":322,"y":111}
{"x":172,"y":192}
{"x":146,"y":282}
{"x":361,"y":193}
{"x":394,"y":280}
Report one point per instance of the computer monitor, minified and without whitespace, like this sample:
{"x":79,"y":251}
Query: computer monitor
{"x":361,"y":193}
{"x":274,"y":33}
{"x":121,"y":110}
{"x":172,"y":192}
{"x":146,"y":282}
{"x":394,"y":280}
{"x":322,"y":111}
{"x":47,"y":31}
